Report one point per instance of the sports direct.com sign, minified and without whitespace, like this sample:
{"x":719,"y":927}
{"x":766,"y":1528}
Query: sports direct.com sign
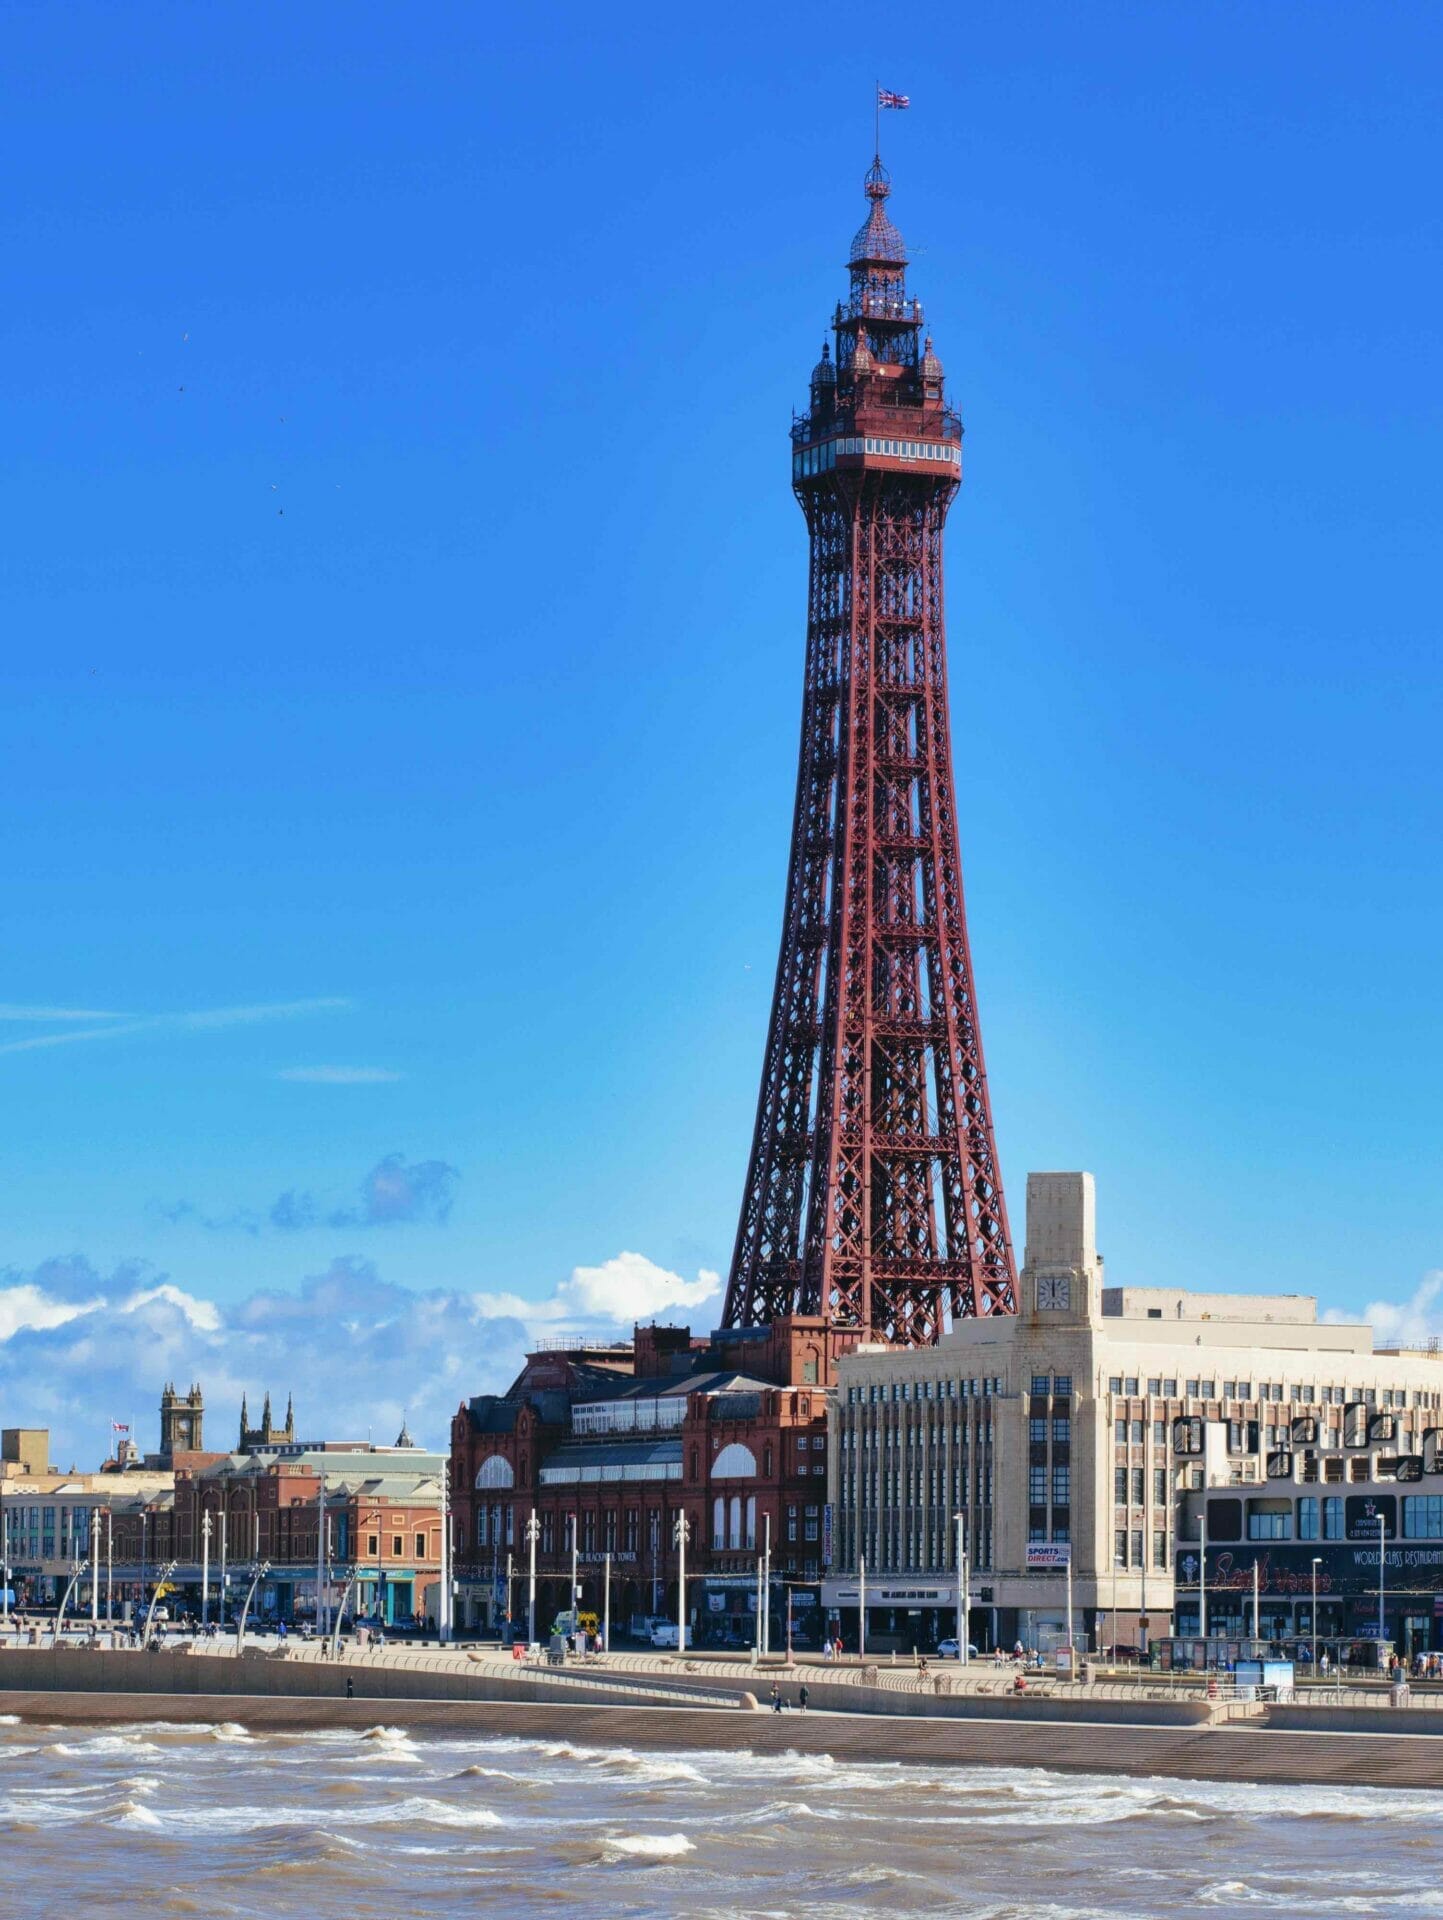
{"x":1048,"y":1556}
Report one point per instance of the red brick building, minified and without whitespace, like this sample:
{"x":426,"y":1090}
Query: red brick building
{"x":729,"y":1431}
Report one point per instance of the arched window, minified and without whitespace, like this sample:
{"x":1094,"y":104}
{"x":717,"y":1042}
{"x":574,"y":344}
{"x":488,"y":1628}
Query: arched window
{"x":735,"y":1462}
{"x":495,"y":1471}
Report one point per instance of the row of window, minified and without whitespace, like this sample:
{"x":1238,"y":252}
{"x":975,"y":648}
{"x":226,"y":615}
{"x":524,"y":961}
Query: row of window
{"x":398,"y":1546}
{"x":889,"y":1439}
{"x":1129,"y":1485}
{"x":1037,"y":1486}
{"x":1323,"y":1517}
{"x":1269,"y":1390}
{"x":1127,"y":1544}
{"x":891,"y":1392}
{"x":1058,"y":1384}
{"x":1060,"y":1425}
{"x":822,"y":458}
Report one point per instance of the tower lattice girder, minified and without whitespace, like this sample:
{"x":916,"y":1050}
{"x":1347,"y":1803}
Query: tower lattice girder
{"x":873,"y":1195}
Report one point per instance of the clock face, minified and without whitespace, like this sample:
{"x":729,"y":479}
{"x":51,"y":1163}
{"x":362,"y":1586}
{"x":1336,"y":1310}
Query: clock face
{"x":1054,"y":1292}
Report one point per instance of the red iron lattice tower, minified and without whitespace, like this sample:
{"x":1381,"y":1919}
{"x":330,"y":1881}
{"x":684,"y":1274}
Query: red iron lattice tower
{"x":873,"y":1197}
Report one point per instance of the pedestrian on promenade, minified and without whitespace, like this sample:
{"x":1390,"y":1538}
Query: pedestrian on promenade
{"x":776,"y":1698}
{"x":802,"y":1697}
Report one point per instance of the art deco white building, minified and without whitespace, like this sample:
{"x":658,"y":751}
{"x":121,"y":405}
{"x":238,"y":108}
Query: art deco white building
{"x":1059,"y":1426}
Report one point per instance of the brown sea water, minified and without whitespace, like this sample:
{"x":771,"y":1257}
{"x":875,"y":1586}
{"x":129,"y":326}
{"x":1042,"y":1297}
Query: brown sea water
{"x":172,"y":1820}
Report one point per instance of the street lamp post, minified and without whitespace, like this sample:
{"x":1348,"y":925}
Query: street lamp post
{"x":572,"y":1608}
{"x":240,"y":1633}
{"x":443,"y":1612}
{"x":165,"y":1573}
{"x":1382,"y":1561}
{"x":963,"y":1584}
{"x":4,"y":1564}
{"x":205,"y":1570}
{"x":1317,"y":1562}
{"x":606,"y":1609}
{"x":679,"y":1533}
{"x":533,"y":1534}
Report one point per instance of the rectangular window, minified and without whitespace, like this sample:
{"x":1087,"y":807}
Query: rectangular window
{"x":1155,"y":1386}
{"x":1136,"y":1544}
{"x":1159,"y":1549}
{"x":1139,"y":1432}
{"x":373,"y":1545}
{"x":1037,"y":1430}
{"x":1062,"y":1386}
{"x":1159,"y":1433}
{"x":1061,"y":1429}
{"x":1139,"y":1486}
{"x":1169,"y":1387}
{"x":1129,"y":1385}
{"x":1119,"y":1430}
{"x":1269,"y":1525}
{"x":1119,"y":1548}
{"x":420,"y":1546}
{"x":1192,"y":1393}
{"x":1230,"y":1389}
{"x":1036,"y":1485}
{"x":1423,"y":1516}
{"x":1119,"y":1486}
{"x":1159,"y":1486}
{"x":791,"y":1523}
{"x":1245,"y":1389}
{"x":810,"y":1527}
{"x":1061,"y":1486}
{"x":1040,"y":1382}
{"x":398,"y":1547}
{"x":1308,"y":1518}
{"x":1114,"y":1385}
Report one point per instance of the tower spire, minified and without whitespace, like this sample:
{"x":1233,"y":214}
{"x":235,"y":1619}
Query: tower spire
{"x":873,"y":1197}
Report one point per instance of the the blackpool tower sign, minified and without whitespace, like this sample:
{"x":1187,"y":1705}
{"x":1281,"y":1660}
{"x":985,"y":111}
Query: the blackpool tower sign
{"x":873,"y":1196}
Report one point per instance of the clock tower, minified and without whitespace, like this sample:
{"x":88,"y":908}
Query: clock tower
{"x":1062,"y":1271}
{"x":182,"y":1421}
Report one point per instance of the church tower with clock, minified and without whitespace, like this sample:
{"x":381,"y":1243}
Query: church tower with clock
{"x":1062,"y":1273}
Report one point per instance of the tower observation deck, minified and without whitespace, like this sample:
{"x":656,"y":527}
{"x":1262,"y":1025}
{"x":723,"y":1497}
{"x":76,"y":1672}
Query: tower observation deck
{"x":873,"y":1198}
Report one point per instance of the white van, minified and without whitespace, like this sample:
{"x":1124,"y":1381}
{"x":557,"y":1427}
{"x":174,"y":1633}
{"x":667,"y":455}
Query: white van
{"x":665,"y":1634}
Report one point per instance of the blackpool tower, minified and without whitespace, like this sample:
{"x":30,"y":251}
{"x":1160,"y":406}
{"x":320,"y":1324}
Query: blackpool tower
{"x":873,"y":1197}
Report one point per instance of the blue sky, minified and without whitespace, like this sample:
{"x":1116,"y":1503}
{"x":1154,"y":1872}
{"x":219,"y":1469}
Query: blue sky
{"x":403,"y":604}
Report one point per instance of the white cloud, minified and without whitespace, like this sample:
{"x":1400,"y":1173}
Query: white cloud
{"x":340,"y":1076}
{"x":207,"y":1020}
{"x":28,"y":1306}
{"x":10,"y":1012}
{"x":1402,"y":1323}
{"x":202,"y":1314}
{"x":630,"y":1287}
{"x":358,"y":1352}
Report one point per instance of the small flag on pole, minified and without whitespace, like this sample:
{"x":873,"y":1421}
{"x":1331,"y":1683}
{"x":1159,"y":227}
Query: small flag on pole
{"x":888,"y":99}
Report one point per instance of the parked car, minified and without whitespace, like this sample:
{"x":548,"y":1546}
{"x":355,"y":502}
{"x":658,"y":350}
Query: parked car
{"x":950,"y":1650}
{"x":664,"y":1633}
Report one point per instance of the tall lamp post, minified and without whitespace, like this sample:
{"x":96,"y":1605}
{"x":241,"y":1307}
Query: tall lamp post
{"x":4,"y":1564}
{"x":963,"y":1583}
{"x":679,"y":1533}
{"x":1382,"y":1562}
{"x":205,"y":1570}
{"x":533,"y":1534}
{"x":1317,"y":1562}
{"x":572,"y":1608}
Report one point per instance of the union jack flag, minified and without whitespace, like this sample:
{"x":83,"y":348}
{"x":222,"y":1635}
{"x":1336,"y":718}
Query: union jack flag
{"x":887,"y":99}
